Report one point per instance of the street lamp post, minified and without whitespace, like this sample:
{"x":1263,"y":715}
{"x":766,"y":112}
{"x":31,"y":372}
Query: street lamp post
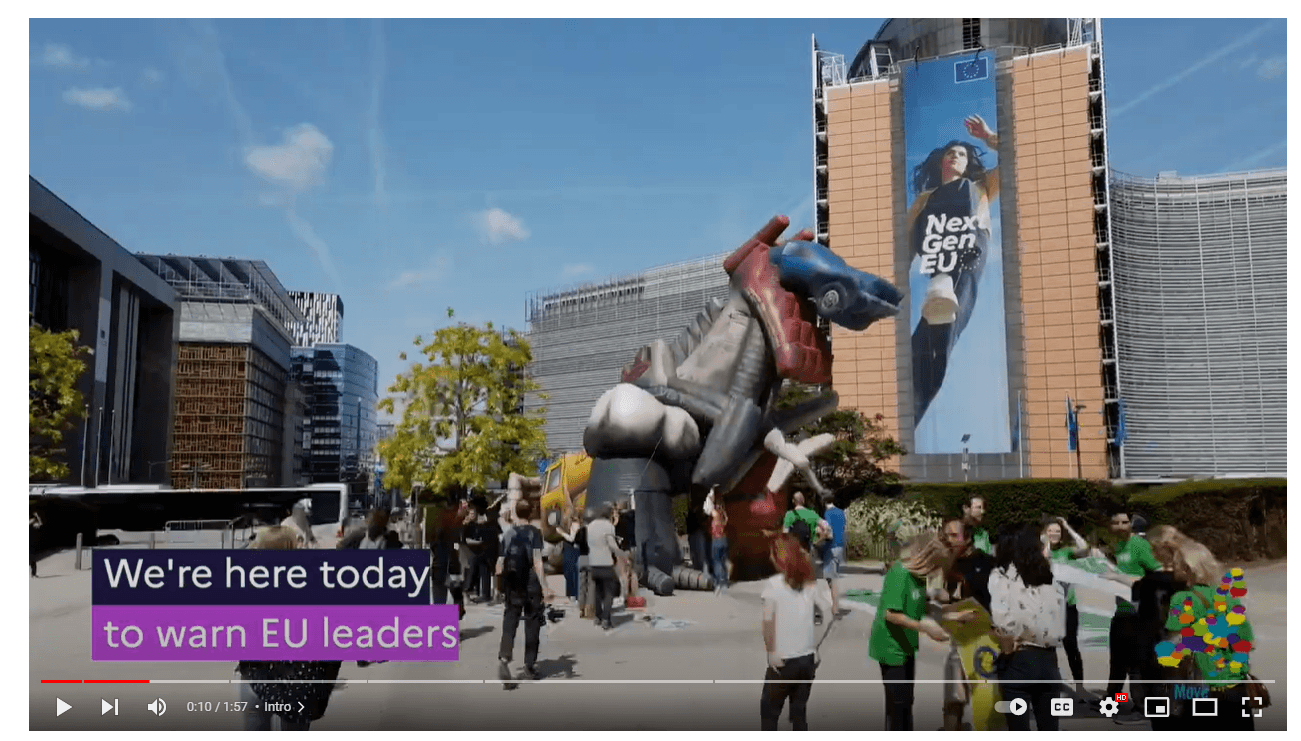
{"x":194,"y":469}
{"x":966,"y":466}
{"x":85,"y":431}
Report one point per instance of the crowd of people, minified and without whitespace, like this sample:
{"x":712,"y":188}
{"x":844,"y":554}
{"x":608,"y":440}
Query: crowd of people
{"x":1033,"y":614}
{"x":939,"y":579}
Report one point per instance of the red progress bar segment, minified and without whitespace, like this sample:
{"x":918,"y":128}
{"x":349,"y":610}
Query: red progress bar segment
{"x":60,"y":681}
{"x":117,"y":681}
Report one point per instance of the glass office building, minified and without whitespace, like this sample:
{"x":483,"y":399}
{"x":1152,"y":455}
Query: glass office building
{"x":341,"y":385}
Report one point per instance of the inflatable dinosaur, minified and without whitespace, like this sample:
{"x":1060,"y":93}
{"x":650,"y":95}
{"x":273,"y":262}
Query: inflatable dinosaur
{"x":699,"y":413}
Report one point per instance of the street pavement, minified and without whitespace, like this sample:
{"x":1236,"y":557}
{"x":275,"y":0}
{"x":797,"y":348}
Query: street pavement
{"x":692,"y":661}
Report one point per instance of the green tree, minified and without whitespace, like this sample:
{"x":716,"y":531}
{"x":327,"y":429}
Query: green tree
{"x":53,"y":401}
{"x":463,"y":423}
{"x":854,"y":465}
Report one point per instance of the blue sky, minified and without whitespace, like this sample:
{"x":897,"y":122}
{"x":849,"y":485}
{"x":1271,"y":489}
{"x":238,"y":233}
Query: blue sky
{"x":416,"y":165}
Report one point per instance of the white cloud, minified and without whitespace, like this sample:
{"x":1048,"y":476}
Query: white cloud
{"x":497,"y":226}
{"x":410,"y":278}
{"x":98,"y":99}
{"x":62,"y":57}
{"x":298,"y":163}
{"x":152,"y":76}
{"x":1272,"y":67}
{"x":578,"y":269}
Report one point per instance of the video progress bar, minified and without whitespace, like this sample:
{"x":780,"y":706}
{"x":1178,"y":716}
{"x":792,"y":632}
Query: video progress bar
{"x":557,"y":680}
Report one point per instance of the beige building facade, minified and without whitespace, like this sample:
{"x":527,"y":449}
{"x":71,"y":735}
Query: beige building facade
{"x":1054,"y":243}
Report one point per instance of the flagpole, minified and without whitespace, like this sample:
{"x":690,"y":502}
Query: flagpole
{"x":1020,"y":435}
{"x":1079,"y":464}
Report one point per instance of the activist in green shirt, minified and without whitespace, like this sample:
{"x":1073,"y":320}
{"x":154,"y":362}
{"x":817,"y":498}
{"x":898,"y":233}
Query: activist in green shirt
{"x":973,"y":513}
{"x":899,"y":620}
{"x":803,"y":513}
{"x":1061,"y":552}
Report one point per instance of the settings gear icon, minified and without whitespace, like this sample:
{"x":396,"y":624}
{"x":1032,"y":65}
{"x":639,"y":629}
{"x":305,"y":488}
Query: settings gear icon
{"x":1108,"y":706}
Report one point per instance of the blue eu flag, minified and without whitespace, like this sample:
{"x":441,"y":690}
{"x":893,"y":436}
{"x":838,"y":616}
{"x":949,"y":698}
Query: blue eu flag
{"x":1121,"y":431}
{"x":971,"y":70}
{"x":1072,"y":426}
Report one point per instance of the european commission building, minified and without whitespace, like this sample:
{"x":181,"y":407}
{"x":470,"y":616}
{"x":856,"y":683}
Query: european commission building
{"x":582,"y":337}
{"x":1200,"y":291}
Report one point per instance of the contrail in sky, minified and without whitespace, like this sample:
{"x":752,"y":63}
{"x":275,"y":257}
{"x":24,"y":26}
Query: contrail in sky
{"x":375,"y":134}
{"x":1251,"y":159}
{"x":1173,"y":80}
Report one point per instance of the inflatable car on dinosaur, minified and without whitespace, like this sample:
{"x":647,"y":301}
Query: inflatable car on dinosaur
{"x":698,"y":413}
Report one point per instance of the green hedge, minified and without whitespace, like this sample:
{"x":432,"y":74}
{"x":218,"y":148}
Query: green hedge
{"x":1239,"y":520}
{"x":1083,"y":503}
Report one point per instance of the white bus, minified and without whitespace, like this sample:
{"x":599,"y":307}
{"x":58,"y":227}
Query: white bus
{"x":146,"y":507}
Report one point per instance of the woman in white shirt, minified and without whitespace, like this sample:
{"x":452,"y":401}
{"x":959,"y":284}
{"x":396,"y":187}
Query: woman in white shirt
{"x":789,"y":598}
{"x":1028,"y":611}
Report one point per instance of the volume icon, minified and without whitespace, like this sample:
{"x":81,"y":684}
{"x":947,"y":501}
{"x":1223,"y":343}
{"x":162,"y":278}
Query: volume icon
{"x":157,"y":707}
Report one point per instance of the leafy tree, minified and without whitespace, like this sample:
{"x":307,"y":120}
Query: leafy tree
{"x":463,"y":423}
{"x":854,"y":464}
{"x":53,"y":401}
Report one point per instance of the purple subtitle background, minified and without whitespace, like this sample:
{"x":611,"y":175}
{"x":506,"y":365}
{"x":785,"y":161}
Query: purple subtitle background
{"x":150,"y":618}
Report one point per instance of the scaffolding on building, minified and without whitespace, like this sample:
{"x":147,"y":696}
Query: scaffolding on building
{"x":229,"y":417}
{"x":583,"y":336}
{"x":231,"y":396}
{"x":226,"y":280}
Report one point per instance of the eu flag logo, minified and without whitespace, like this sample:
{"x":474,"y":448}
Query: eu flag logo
{"x":971,"y":70}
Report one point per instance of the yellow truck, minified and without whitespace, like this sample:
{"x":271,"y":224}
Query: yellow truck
{"x":564,"y":488}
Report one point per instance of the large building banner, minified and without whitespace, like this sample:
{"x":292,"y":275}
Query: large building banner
{"x":959,"y":340}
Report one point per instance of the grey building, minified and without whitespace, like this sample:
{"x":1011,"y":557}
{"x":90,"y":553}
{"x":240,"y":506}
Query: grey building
{"x":1200,"y":287}
{"x":323,"y":318}
{"x":341,"y":387}
{"x":235,"y":412}
{"x":79,"y":278}
{"x":582,"y":337}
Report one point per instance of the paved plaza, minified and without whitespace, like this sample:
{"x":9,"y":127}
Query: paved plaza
{"x":690,"y":661}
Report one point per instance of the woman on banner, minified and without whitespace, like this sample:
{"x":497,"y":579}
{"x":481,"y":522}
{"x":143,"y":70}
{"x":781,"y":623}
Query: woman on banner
{"x":900,"y":618}
{"x":1058,"y":550}
{"x":950,"y":228}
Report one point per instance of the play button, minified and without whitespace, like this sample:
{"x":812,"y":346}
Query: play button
{"x":60,"y":707}
{"x":1015,"y":707}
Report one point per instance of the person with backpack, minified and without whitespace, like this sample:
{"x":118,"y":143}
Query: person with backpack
{"x":524,"y":586}
{"x":801,"y":522}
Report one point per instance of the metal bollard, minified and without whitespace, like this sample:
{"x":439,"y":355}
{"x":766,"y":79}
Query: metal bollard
{"x":77,"y":564}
